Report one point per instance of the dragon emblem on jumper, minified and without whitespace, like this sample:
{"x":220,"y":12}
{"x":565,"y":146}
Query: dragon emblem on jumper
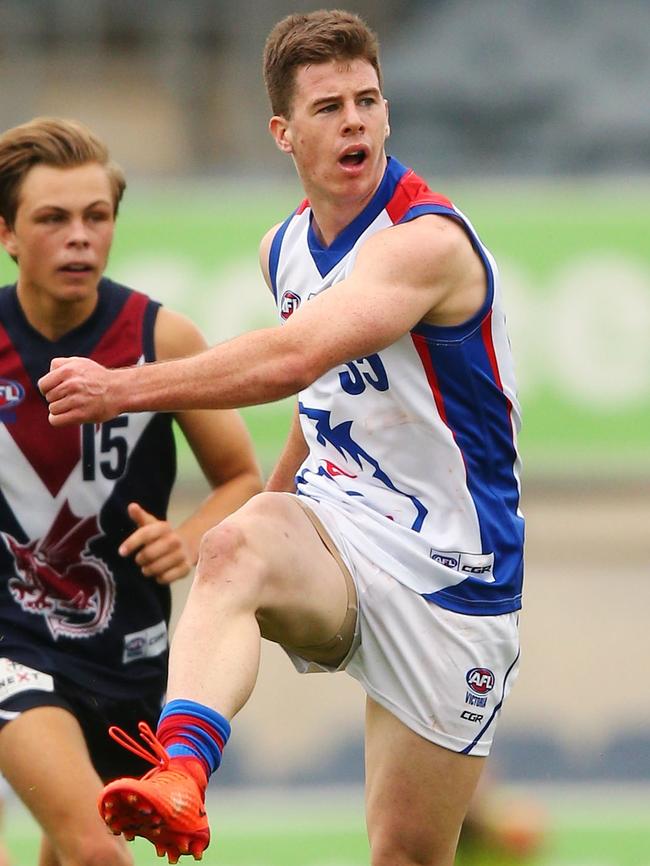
{"x":56,"y":579}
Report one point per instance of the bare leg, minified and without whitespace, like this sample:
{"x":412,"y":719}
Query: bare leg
{"x":417,"y":793}
{"x":264,"y":571}
{"x":44,"y":758}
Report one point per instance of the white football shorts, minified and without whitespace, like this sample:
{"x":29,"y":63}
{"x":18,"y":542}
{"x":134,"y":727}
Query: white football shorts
{"x":445,"y":675}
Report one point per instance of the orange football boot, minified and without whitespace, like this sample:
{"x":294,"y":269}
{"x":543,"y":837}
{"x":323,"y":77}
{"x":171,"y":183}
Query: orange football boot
{"x":166,"y":806}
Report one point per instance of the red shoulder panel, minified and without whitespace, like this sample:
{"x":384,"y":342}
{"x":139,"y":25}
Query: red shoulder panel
{"x":410,"y":192}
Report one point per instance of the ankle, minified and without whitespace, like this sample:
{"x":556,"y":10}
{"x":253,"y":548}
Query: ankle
{"x":192,"y":766}
{"x":189,"y":729}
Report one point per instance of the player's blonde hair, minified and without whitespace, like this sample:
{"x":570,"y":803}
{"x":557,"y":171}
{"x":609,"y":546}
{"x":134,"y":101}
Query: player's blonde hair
{"x":55,"y":142}
{"x":315,"y":37}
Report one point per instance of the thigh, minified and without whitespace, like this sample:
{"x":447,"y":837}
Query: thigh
{"x":301,"y":594}
{"x":93,"y":712}
{"x":43,"y":756}
{"x":417,"y":793}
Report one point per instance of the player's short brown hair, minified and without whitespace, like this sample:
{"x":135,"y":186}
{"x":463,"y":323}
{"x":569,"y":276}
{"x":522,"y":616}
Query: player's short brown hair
{"x":55,"y":142}
{"x":315,"y":37}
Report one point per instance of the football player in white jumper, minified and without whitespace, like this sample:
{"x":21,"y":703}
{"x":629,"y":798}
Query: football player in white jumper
{"x":389,"y":540}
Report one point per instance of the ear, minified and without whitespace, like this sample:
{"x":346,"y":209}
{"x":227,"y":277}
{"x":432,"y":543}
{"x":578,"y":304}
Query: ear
{"x":387,"y":119}
{"x":279,"y":129}
{"x":8,"y":238}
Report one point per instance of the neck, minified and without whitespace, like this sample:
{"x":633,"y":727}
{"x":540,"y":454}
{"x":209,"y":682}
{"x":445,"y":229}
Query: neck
{"x":333,"y":212}
{"x":330,"y":220}
{"x":53,"y":319}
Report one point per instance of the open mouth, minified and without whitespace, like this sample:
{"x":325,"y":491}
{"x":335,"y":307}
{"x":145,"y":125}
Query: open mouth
{"x":76,"y":268}
{"x":353,"y":158}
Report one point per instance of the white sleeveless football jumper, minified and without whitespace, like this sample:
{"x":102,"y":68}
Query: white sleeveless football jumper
{"x":415,"y":445}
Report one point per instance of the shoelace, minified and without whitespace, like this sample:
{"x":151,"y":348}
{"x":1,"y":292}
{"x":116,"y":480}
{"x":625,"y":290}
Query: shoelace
{"x":157,"y":754}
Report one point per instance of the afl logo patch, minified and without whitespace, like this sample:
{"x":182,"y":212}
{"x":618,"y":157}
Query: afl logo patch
{"x":289,"y":303}
{"x":11,"y":394}
{"x":480,"y":680}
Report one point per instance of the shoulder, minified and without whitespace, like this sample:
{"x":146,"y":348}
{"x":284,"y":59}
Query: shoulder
{"x":176,"y":336}
{"x":432,"y":254}
{"x":430,"y":239}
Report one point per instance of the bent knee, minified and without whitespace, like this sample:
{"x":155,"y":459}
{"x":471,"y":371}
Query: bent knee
{"x":242,"y":557}
{"x":244,"y":533}
{"x":224,"y":543}
{"x":228,"y":561}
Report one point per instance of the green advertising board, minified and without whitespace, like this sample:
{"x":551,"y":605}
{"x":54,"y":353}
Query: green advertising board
{"x":575,"y":263}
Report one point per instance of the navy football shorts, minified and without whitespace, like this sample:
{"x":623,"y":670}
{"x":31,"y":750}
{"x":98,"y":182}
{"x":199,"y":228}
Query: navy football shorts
{"x":95,"y":714}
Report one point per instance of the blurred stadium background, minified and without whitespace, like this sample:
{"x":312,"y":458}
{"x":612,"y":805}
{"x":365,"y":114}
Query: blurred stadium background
{"x":534,"y":118}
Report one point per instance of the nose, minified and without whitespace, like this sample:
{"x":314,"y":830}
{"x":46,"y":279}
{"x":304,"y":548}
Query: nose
{"x":78,"y":234}
{"x":352,"y":121}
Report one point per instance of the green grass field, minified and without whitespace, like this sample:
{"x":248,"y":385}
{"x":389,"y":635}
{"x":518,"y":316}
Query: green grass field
{"x":253,"y":830}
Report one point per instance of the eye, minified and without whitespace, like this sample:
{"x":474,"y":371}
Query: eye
{"x":51,"y":218}
{"x":327,"y":109}
{"x":99,"y":216}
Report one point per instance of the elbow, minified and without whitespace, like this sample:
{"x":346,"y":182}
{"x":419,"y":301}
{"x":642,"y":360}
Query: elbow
{"x":296,"y":371}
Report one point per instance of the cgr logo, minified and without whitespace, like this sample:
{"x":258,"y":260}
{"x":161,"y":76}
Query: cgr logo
{"x":11,"y":394}
{"x":471,"y":717}
{"x":289,"y":303}
{"x":480,"y":680}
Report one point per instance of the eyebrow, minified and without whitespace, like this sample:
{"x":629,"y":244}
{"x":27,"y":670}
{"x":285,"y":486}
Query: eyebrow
{"x":367,"y":91}
{"x":60,"y":209}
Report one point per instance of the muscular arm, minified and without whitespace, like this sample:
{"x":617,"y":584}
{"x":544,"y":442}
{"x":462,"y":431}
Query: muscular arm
{"x":402,"y":275}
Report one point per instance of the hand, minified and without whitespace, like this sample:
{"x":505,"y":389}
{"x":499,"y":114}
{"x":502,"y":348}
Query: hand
{"x":78,"y":390}
{"x":161,"y":551}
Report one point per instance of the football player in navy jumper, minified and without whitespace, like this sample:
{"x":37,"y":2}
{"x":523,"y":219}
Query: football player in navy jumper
{"x":87,"y":554}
